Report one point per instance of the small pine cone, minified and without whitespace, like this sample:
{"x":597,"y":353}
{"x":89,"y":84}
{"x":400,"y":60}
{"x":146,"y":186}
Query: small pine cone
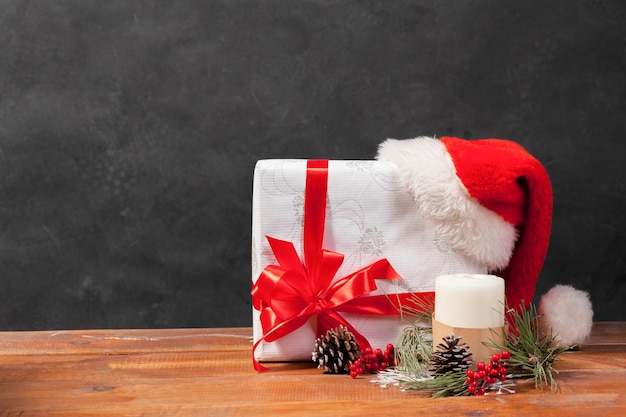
{"x":450,"y":356}
{"x":336,"y":350}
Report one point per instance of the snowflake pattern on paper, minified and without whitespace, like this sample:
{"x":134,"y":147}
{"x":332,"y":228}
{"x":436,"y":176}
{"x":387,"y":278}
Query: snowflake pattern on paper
{"x":451,"y":262}
{"x":361,"y":166}
{"x":442,"y":245}
{"x":352,"y":215}
{"x":298,"y":209}
{"x":371,"y":242}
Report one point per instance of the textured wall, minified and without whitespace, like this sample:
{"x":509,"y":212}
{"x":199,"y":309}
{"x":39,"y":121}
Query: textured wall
{"x":129,"y":131}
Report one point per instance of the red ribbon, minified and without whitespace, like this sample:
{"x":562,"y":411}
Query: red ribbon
{"x":289,"y":293}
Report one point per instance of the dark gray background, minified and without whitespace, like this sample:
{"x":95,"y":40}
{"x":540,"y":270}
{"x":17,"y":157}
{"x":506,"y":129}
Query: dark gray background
{"x":129,"y":131}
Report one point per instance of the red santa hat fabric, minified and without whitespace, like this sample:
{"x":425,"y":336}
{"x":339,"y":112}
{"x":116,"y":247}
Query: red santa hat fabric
{"x":489,"y":198}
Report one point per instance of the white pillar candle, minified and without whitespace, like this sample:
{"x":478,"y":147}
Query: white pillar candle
{"x":472,"y":301}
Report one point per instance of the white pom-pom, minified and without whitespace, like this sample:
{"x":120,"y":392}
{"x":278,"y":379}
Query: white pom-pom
{"x":568,"y":313}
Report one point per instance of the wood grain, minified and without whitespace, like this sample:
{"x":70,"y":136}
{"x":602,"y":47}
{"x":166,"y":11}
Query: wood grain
{"x":208,"y":372}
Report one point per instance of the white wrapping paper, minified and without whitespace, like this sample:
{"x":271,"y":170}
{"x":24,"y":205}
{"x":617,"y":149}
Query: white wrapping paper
{"x":369,"y":216}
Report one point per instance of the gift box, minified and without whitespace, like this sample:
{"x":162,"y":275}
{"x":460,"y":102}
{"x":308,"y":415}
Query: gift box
{"x":365,"y":217}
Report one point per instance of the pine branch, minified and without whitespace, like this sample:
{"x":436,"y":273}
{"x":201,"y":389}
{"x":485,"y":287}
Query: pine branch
{"x":449,"y":385}
{"x":414,"y":350}
{"x":532,"y":353}
{"x":419,"y":308}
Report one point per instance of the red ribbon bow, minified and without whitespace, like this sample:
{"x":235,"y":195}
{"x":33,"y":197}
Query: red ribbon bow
{"x":289,"y":293}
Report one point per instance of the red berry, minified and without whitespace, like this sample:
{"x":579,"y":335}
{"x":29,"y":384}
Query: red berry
{"x":506,"y":355}
{"x":469,"y":373}
{"x":495,"y":357}
{"x":471,"y":389}
{"x":480,"y":365}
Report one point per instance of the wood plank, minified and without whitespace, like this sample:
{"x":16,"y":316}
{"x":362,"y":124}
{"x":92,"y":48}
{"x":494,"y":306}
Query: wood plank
{"x":607,"y":336}
{"x":290,"y":396}
{"x":187,"y":372}
{"x":121,"y":342}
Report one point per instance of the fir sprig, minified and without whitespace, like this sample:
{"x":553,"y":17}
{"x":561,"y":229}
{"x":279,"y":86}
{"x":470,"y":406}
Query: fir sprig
{"x":419,"y":308}
{"x":415,"y":345}
{"x":452,"y":384}
{"x":415,"y":348}
{"x":533,"y":353}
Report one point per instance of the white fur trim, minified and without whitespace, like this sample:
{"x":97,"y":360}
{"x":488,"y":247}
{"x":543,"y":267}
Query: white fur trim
{"x":567,"y":314}
{"x":430,"y":176}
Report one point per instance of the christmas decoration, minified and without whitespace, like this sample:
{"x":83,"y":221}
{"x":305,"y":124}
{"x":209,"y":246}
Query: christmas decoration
{"x":445,"y":378}
{"x":336,"y":351}
{"x":528,"y":352}
{"x":488,"y":204}
{"x":415,"y":348}
{"x":373,"y":361}
{"x":490,"y":199}
{"x":566,"y":313}
{"x":458,"y":294}
{"x":450,"y":356}
{"x":449,"y":385}
{"x":532,"y":352}
{"x":489,"y":376}
{"x":418,"y":307}
{"x":471,"y":305}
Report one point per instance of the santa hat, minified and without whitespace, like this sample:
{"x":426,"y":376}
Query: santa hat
{"x":490,"y":199}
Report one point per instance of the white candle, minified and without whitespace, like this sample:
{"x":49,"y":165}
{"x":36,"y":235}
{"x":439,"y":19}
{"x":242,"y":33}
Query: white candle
{"x":472,"y":301}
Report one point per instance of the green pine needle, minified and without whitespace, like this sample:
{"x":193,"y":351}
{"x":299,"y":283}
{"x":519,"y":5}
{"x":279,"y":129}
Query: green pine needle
{"x":532,"y":354}
{"x":419,"y":309}
{"x":449,"y":385}
{"x":414,"y":349}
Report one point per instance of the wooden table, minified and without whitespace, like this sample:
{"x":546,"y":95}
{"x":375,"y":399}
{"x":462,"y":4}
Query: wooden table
{"x":208,"y":372}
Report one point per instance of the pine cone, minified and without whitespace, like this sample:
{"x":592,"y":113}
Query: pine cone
{"x":336,"y":350}
{"x":450,"y":356}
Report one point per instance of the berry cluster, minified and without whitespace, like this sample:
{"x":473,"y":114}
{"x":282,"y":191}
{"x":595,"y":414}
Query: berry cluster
{"x":372,"y":361}
{"x":485,"y":375}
